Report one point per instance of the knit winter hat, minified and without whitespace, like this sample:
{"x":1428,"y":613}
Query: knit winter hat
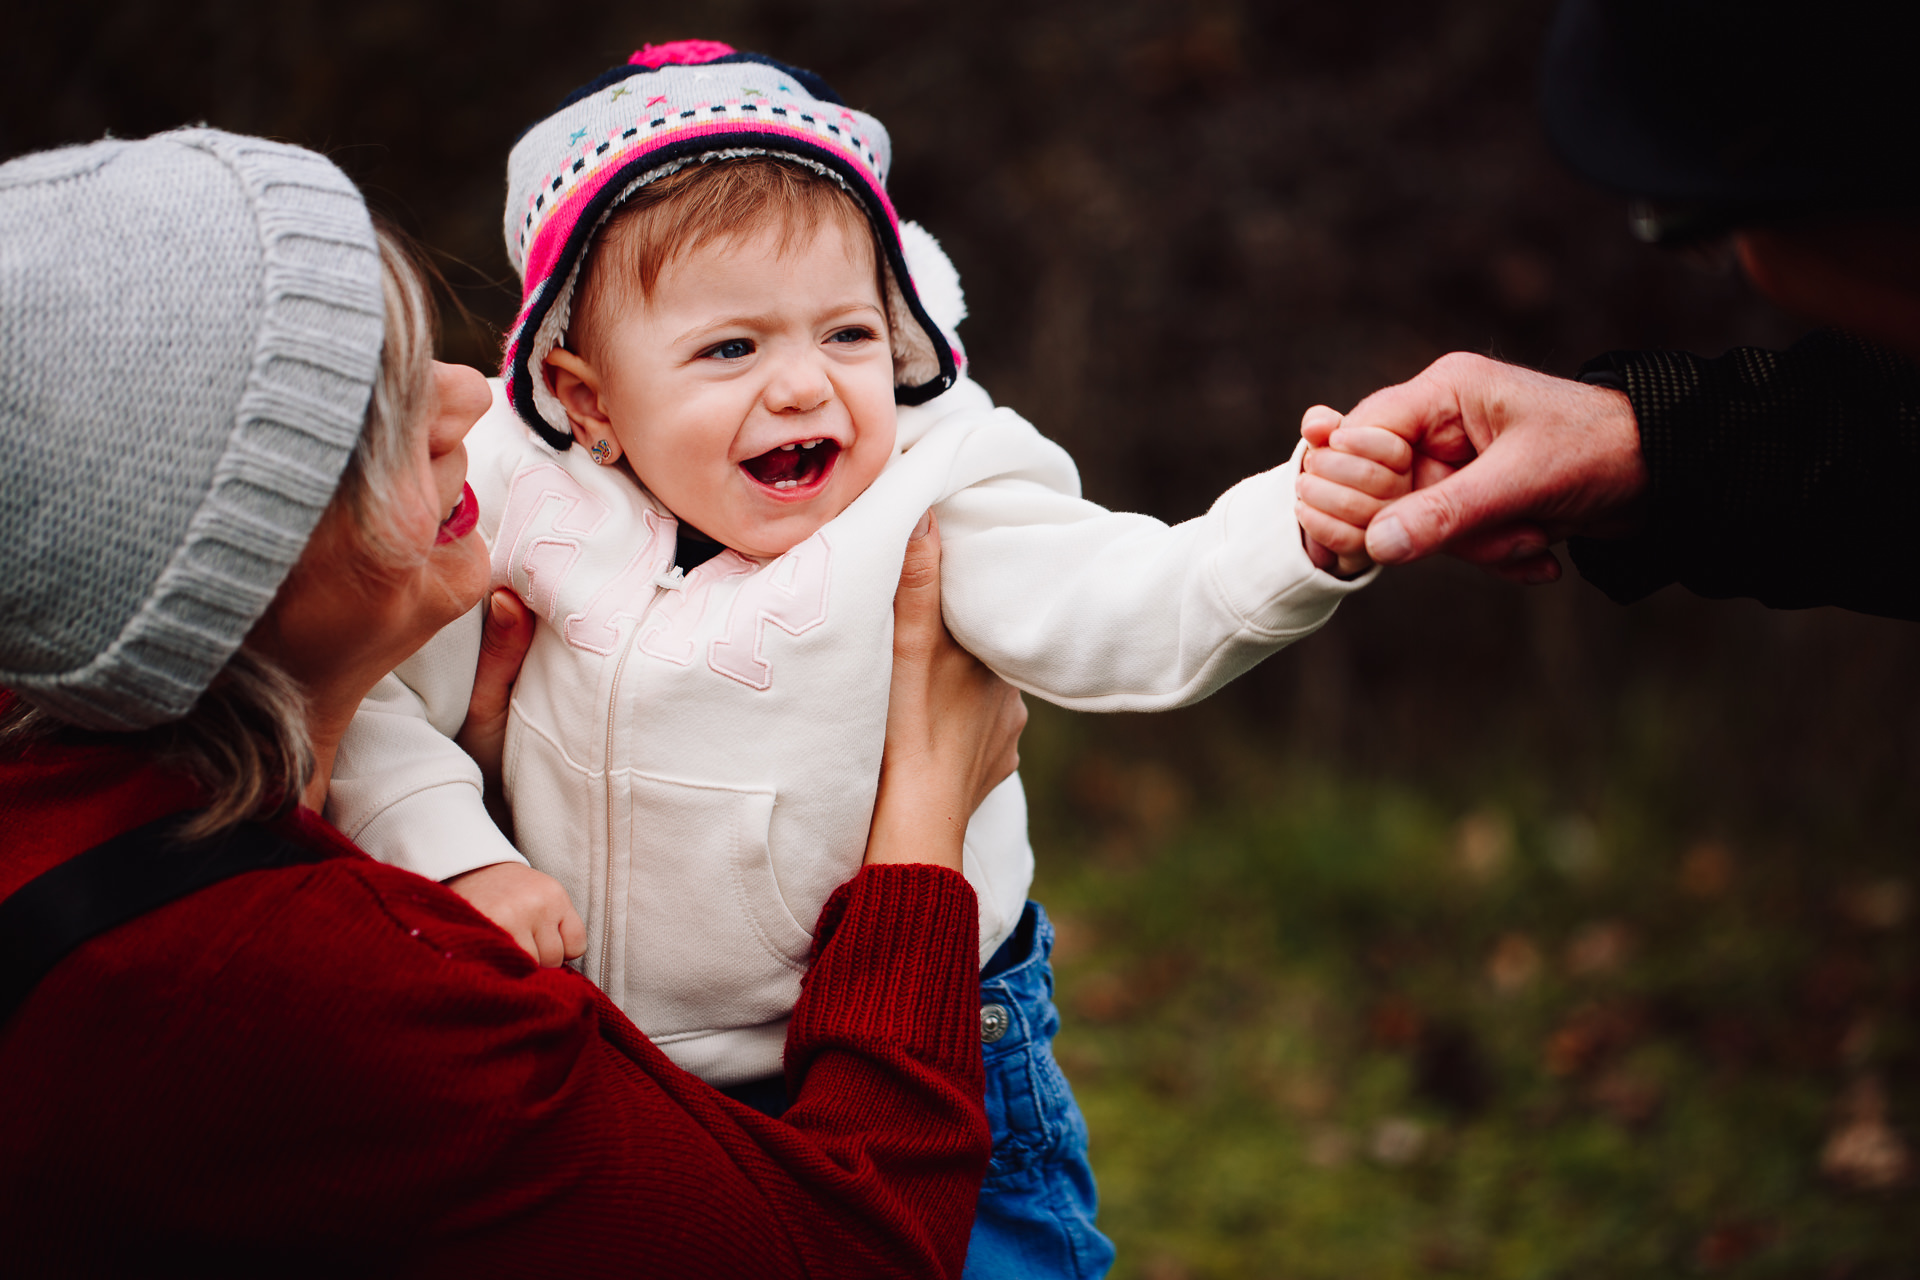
{"x":673,"y":105}
{"x":1724,"y":112}
{"x":190,"y":329}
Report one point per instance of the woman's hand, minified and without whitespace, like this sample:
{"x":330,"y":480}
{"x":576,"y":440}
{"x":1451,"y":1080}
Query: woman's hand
{"x":483,"y":735}
{"x":953,"y":727}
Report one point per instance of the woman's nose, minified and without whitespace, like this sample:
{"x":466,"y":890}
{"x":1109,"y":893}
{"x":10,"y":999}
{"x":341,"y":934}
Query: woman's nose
{"x":461,"y":395}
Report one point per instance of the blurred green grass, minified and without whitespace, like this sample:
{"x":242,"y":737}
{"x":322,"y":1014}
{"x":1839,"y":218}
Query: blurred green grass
{"x":1331,"y":1026}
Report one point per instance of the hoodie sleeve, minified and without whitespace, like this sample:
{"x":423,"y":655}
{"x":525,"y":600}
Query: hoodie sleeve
{"x":401,"y":789}
{"x":1109,"y":611}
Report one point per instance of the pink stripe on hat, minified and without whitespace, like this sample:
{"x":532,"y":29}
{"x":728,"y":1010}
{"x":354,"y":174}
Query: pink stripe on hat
{"x":687,"y":101}
{"x":558,"y":228}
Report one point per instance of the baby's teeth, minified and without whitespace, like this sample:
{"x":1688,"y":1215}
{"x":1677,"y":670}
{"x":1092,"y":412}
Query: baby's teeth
{"x":786,"y":484}
{"x":786,"y":448}
{"x":808,"y":444}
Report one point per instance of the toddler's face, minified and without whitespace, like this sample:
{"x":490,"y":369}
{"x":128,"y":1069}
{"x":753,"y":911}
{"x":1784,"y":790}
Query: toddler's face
{"x":752,"y":390}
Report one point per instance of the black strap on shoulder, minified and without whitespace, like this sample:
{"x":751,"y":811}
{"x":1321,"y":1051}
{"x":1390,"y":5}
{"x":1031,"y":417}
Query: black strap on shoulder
{"x":135,"y":872}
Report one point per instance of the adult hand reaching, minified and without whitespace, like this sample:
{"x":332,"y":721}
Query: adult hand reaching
{"x":483,"y":735}
{"x":953,"y":727}
{"x":1506,"y":461}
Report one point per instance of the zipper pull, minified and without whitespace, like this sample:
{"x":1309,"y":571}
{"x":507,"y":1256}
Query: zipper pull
{"x":673,"y":579}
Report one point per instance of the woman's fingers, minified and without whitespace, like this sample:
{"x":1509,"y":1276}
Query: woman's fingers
{"x":1002,"y":756}
{"x":916,"y":602}
{"x":503,"y":647}
{"x":953,"y":727}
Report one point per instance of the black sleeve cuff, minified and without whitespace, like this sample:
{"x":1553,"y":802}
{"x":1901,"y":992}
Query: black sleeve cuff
{"x":1785,"y":476}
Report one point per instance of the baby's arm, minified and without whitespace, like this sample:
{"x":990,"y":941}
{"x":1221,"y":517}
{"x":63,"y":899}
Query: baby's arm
{"x":1346,"y":476}
{"x":530,"y":905}
{"x":407,"y":794}
{"x":1103,"y":610}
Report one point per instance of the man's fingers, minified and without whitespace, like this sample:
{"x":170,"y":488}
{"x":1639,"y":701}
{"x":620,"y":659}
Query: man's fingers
{"x":1529,"y":571}
{"x":1426,"y":520}
{"x":1502,"y":547}
{"x":1429,"y":411}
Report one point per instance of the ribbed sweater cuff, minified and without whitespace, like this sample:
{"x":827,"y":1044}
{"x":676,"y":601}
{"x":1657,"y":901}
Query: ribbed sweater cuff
{"x":896,"y":958}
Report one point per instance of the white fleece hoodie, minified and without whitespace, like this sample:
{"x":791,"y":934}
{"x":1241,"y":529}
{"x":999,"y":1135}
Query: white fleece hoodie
{"x":695,"y":758}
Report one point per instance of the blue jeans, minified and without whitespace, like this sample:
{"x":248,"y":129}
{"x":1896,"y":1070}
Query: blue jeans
{"x":1037,"y":1204}
{"x":1035,"y":1216}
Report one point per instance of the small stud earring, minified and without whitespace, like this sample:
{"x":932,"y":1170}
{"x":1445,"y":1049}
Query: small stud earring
{"x":602,"y":452}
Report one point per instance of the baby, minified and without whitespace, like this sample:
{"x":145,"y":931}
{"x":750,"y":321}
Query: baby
{"x":732,"y":392}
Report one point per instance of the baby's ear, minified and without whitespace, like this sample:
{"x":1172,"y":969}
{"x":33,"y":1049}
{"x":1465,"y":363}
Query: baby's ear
{"x":576,"y":385}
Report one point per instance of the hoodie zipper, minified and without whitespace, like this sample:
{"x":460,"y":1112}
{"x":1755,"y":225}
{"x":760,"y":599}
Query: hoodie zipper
{"x":673,"y":579}
{"x":606,"y":897}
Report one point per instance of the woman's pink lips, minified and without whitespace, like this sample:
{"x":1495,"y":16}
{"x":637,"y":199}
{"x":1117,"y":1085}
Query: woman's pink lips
{"x":460,"y":522}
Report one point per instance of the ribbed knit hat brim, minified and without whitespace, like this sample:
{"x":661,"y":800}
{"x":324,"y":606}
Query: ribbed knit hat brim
{"x":190,"y":329}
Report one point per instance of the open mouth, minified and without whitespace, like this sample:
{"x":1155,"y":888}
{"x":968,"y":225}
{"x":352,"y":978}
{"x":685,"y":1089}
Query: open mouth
{"x":460,"y":521}
{"x":795,"y":468}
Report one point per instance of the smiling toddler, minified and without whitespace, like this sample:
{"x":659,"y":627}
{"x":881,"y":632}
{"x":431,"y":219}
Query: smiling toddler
{"x":733,"y":391}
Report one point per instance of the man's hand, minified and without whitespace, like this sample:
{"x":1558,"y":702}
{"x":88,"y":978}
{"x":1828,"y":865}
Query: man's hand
{"x":530,"y":905}
{"x":1506,"y":461}
{"x":503,"y":647}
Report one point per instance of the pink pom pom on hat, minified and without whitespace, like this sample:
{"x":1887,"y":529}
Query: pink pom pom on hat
{"x":672,"y":105}
{"x":680,"y":52}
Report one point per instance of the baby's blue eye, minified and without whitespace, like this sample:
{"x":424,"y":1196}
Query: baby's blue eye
{"x":855,"y":334}
{"x":731,"y":349}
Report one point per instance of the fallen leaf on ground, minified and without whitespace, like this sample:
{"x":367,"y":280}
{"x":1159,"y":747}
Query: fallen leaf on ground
{"x":1863,"y":1151}
{"x":1514,"y":964}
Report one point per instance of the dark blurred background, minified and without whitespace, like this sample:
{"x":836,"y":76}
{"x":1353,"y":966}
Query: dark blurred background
{"x":1180,"y":224}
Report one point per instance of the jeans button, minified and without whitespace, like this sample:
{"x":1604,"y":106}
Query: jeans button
{"x":994,"y":1021}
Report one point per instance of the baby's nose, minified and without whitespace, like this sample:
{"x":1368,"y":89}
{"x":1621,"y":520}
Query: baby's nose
{"x":799,"y":386}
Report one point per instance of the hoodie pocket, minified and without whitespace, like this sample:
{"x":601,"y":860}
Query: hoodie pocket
{"x":708,"y":942}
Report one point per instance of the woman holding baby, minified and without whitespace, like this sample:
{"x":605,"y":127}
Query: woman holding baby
{"x":230,"y":1042}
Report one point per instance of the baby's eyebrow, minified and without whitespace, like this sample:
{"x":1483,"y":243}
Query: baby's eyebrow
{"x":706,"y":328}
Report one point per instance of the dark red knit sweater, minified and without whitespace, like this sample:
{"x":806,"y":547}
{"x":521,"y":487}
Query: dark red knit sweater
{"x":343,"y":1069}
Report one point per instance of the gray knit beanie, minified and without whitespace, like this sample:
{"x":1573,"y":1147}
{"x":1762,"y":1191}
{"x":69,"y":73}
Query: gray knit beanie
{"x":190,"y":329}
